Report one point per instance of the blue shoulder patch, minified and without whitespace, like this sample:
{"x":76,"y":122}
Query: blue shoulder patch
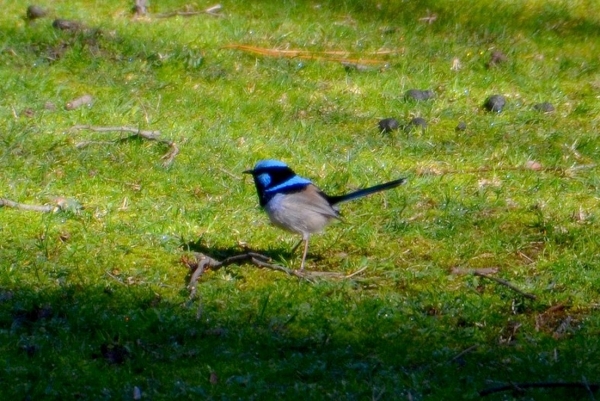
{"x":294,"y":183}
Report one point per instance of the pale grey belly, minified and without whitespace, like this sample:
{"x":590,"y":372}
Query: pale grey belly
{"x":290,"y":213}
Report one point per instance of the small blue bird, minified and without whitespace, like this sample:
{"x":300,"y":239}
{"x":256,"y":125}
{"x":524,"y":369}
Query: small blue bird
{"x":295,"y":204}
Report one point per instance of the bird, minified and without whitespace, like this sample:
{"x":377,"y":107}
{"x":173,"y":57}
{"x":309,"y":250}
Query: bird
{"x":295,"y":204}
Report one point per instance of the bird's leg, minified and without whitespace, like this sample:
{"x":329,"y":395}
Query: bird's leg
{"x":304,"y":254}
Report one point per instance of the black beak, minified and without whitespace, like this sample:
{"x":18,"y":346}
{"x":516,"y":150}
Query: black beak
{"x":248,"y":172}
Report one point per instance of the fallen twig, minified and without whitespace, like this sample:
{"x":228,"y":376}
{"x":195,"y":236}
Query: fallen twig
{"x":149,"y":135}
{"x":152,"y":135}
{"x":201,"y":262}
{"x":22,"y":206}
{"x":61,"y":204}
{"x":485,"y":273}
{"x":485,"y":270}
{"x":519,"y":387}
{"x":464,"y":352}
{"x":580,"y":167}
{"x":83,"y":144}
{"x":505,"y":283}
{"x":212,"y":10}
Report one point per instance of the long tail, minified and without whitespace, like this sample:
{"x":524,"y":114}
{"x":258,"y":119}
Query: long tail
{"x":364,"y":192}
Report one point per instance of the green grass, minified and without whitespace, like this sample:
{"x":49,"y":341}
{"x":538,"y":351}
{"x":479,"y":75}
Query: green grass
{"x":94,"y":303}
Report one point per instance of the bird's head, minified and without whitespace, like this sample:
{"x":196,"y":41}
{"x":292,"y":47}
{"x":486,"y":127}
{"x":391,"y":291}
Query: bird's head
{"x":272,"y":177}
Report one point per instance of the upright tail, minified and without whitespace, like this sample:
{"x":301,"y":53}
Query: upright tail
{"x":364,"y":192}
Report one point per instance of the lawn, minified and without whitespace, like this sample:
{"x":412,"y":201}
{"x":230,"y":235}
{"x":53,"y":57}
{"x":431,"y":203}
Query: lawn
{"x":483,"y":270}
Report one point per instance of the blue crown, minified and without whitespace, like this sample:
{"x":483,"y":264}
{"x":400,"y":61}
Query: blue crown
{"x":266,"y":164}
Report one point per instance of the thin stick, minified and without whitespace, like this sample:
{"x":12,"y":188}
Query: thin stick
{"x":22,"y":206}
{"x":520,"y":386}
{"x":83,"y":144}
{"x":581,"y":167}
{"x":168,"y":158}
{"x":464,"y":352}
{"x":153,"y":135}
{"x":201,"y":262}
{"x":61,"y":204}
{"x":296,"y":53}
{"x":505,"y":283}
{"x":484,"y":270}
{"x":212,"y":10}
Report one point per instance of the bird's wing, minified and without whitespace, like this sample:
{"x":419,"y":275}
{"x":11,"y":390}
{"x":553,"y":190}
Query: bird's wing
{"x":311,"y":199}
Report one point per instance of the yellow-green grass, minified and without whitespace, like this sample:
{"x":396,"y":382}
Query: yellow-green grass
{"x":93,"y":303}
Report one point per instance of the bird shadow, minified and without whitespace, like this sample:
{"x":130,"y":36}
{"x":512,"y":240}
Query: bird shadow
{"x":226,"y":252}
{"x":283,"y":255}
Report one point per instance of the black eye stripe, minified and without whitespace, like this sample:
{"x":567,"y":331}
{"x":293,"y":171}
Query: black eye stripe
{"x":278,"y":175}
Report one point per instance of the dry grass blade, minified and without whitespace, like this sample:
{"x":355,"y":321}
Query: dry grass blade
{"x":335,"y":56}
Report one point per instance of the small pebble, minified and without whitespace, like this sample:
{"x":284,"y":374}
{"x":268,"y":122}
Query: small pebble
{"x":497,"y":58}
{"x":416,"y":122}
{"x":355,"y":67}
{"x":495,"y":103}
{"x":66,"y":25}
{"x":85,"y":100}
{"x":29,"y":349}
{"x":28,"y":112}
{"x":533,"y":165}
{"x":388,"y":125}
{"x":544,"y":107}
{"x":418,"y":95}
{"x":35,"y":12}
{"x":461,"y":126}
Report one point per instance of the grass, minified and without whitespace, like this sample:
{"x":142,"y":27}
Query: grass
{"x":93,"y":303}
